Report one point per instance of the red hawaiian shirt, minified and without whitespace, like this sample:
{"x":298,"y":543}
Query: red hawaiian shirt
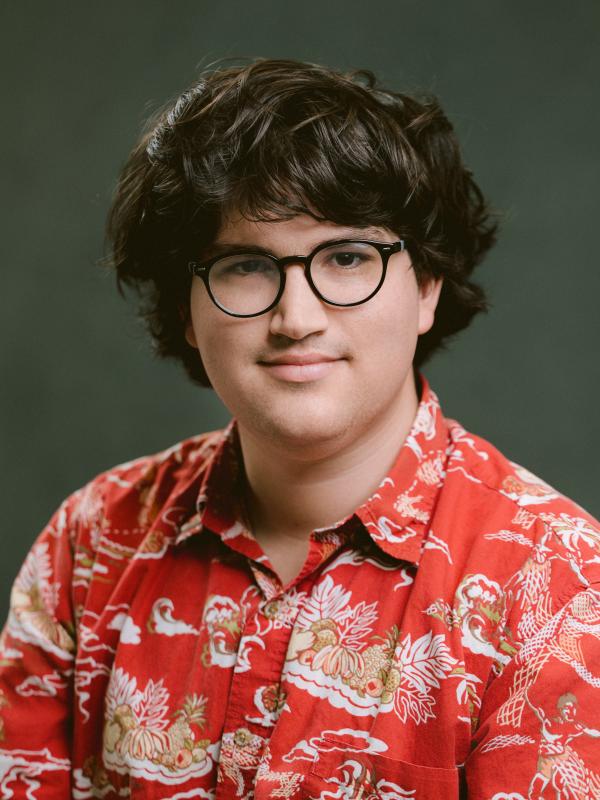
{"x":442,"y":641}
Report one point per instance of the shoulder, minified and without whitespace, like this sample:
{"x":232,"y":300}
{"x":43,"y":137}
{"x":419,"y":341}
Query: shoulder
{"x":502,"y":483}
{"x":516,"y":552}
{"x":126,"y":499}
{"x":171,"y":465}
{"x":503,"y":521}
{"x":80,"y":556}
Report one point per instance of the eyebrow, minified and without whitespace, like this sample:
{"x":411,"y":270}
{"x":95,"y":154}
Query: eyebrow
{"x":222,"y":248}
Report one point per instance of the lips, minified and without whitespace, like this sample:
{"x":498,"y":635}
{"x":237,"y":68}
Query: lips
{"x":300,"y":359}
{"x":301,"y":367}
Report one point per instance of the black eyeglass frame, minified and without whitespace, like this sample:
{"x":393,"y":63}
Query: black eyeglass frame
{"x":386,"y":249}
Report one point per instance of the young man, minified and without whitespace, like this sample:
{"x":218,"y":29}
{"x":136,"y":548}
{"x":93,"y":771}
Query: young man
{"x":343,"y":594}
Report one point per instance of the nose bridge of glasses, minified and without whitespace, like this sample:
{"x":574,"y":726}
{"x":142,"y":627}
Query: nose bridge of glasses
{"x":305,"y":280}
{"x":287,"y":260}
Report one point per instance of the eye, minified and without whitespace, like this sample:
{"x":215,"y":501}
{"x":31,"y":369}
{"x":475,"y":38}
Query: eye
{"x":249,"y":266}
{"x":242,"y":265}
{"x":347,"y":259}
{"x":348,"y":256}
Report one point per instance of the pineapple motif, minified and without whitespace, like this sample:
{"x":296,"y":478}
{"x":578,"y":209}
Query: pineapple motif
{"x":184,"y":749}
{"x":327,"y":653}
{"x":333,"y":648}
{"x":326,"y":634}
{"x":380,"y":678}
{"x":137,"y":727}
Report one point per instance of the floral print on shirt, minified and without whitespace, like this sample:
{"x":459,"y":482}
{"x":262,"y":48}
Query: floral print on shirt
{"x":441,"y":641}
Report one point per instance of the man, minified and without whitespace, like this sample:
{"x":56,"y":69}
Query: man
{"x":343,"y":594}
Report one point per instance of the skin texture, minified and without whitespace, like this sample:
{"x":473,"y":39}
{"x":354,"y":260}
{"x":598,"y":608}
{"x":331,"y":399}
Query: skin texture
{"x":316,"y":442}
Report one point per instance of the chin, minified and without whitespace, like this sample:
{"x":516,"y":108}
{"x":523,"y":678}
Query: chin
{"x":302,"y":425}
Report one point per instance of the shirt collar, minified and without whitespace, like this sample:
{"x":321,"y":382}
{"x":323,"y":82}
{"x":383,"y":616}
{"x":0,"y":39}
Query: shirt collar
{"x":396,"y":516}
{"x":217,"y":503}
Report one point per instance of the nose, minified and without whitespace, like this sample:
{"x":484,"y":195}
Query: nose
{"x":299,"y":312}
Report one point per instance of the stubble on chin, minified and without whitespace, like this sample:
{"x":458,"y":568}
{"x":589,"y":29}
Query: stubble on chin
{"x":313,"y":428}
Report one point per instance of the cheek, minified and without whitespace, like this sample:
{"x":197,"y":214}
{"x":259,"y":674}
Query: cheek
{"x":226,"y":345}
{"x":218,"y":355}
{"x":204,"y":328}
{"x":390,"y":334}
{"x":397,"y":341}
{"x":215,"y":347}
{"x":206,"y":320}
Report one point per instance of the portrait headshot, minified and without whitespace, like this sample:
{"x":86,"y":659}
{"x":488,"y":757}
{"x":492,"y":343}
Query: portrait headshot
{"x":300,"y":429}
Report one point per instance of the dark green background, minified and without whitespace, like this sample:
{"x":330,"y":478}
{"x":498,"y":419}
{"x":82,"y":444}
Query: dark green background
{"x":81,"y":390}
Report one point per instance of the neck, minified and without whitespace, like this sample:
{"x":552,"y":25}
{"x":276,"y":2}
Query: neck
{"x":290,"y":494}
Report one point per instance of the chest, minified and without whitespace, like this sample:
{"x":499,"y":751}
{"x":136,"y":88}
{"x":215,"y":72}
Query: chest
{"x":194,"y":677}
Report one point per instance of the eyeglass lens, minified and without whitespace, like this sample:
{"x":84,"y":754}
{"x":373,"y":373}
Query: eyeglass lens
{"x":344,"y":273}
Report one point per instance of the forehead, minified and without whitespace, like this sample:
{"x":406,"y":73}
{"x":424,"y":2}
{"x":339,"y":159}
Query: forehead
{"x":303,"y":229}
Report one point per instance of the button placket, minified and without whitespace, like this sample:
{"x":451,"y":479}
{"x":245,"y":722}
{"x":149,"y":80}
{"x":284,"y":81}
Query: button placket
{"x":255,"y":695}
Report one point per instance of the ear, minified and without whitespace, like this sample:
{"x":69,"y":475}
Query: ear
{"x":186,"y":318}
{"x":429,"y":294}
{"x":190,"y":336}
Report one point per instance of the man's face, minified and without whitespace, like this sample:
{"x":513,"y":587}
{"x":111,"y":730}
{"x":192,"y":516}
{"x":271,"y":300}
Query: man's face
{"x":363,"y":354}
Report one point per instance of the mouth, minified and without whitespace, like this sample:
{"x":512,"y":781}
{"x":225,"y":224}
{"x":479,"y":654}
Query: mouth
{"x":301,"y":368}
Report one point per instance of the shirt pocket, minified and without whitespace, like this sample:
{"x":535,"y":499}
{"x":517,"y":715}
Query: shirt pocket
{"x":360,"y":775}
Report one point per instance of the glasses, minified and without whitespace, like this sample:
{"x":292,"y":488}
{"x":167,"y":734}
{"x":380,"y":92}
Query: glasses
{"x":344,"y":273}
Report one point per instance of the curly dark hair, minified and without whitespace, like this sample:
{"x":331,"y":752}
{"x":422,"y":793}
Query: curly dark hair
{"x":276,"y":138}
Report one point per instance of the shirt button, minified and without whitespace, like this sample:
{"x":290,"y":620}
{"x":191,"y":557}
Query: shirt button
{"x":242,"y":737}
{"x":271,"y":609}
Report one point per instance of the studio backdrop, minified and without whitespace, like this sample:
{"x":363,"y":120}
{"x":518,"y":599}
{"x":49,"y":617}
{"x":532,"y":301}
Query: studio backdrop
{"x":81,"y":390}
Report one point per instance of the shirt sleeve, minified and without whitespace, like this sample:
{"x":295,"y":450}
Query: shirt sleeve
{"x":37,"y":650}
{"x":540,"y":722}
